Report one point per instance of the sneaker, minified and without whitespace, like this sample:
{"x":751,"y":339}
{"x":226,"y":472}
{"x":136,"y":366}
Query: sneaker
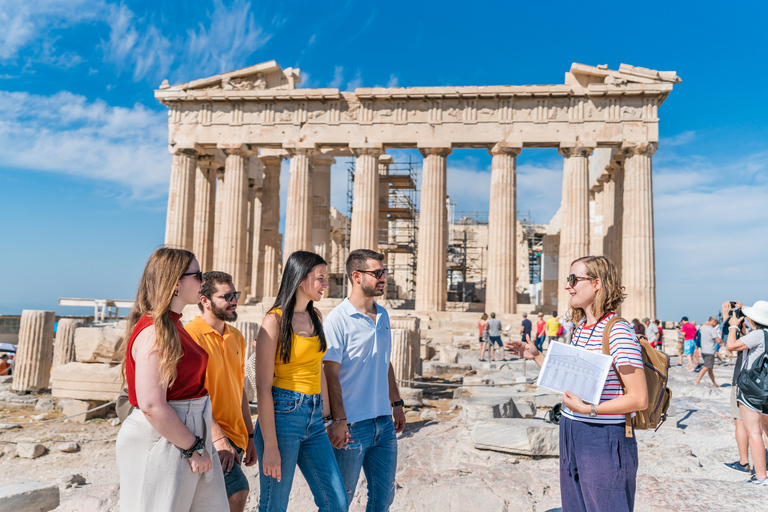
{"x":738,"y":467}
{"x":756,"y":481}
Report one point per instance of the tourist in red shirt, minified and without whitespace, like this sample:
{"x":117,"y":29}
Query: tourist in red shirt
{"x":165,"y":443}
{"x":541,"y":332}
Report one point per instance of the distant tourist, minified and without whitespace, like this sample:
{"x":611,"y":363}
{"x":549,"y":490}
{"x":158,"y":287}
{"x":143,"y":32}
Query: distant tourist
{"x":525,"y":328}
{"x":225,"y":345}
{"x":484,"y":340}
{"x":710,"y":338}
{"x":365,"y":403}
{"x":494,"y":335}
{"x":553,"y":328}
{"x":598,"y":462}
{"x":5,"y":366}
{"x":688,"y":331}
{"x":638,"y":327}
{"x":289,"y":388}
{"x":651,"y":332}
{"x":753,"y":413}
{"x":567,"y":329}
{"x":165,"y":443}
{"x":660,"y":338}
{"x":541,"y":332}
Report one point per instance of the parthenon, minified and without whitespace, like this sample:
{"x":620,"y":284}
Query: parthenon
{"x":229,"y":134}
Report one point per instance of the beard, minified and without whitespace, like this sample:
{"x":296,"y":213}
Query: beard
{"x":223,"y":314}
{"x":373,"y":291}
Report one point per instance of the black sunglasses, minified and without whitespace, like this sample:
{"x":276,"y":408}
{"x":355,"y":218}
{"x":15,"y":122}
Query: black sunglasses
{"x":231,"y":295}
{"x":198,"y":275}
{"x":378,"y":273}
{"x":573,"y":279}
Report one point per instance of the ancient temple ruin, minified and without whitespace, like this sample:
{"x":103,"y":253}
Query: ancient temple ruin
{"x":229,"y":133}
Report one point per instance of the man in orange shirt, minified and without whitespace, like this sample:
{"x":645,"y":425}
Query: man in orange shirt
{"x":232,"y":428}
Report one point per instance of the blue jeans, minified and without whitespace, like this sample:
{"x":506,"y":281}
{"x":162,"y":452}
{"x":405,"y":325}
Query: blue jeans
{"x":302,"y":440}
{"x":598,"y":467}
{"x":540,"y":342}
{"x":373,"y":447}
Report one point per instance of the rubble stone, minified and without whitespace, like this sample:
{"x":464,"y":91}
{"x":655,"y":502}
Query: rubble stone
{"x":78,"y":408}
{"x":86,"y":381}
{"x":29,"y":496}
{"x":45,"y":404}
{"x":29,"y":450}
{"x":98,"y":344}
{"x":531,"y":437}
{"x":68,"y":447}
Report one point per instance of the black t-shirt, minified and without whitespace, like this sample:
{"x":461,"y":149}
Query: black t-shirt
{"x":526,"y":327}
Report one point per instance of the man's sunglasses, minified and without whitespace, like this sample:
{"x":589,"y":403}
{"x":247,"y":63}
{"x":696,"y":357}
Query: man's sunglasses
{"x":378,"y":273}
{"x":573,"y":279}
{"x":231,"y":295}
{"x":198,"y":275}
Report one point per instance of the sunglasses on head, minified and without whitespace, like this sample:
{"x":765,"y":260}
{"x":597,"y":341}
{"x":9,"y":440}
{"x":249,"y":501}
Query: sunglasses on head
{"x":573,"y":279}
{"x":231,"y":295}
{"x":378,"y":273}
{"x":198,"y":275}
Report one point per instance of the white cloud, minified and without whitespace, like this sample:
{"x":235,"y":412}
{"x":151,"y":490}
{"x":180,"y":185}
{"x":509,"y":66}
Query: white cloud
{"x":338,"y":77}
{"x":680,"y":139}
{"x":66,"y":133}
{"x":393,"y":81}
{"x":356,"y":82}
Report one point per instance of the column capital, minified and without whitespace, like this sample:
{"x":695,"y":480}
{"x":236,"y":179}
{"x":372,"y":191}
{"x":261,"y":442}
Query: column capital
{"x":205,"y":160}
{"x":506,"y":148}
{"x":235,"y":149}
{"x":572,"y":149}
{"x":374,"y":150}
{"x":292,"y":151}
{"x":385,"y":160}
{"x":323,"y":159}
{"x":639,"y":148}
{"x":439,"y":151}
{"x":185,"y":148}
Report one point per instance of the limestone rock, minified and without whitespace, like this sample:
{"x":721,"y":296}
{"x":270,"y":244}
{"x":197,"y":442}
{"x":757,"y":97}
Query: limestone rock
{"x":412,"y":397}
{"x":449,"y":354}
{"x":446,"y":368}
{"x":428,"y":415}
{"x":98,"y":344}
{"x":6,"y":379}
{"x":79,"y":409}
{"x":29,"y":496}
{"x":64,"y":346}
{"x":477,"y":408}
{"x":29,"y":450}
{"x":68,"y":447}
{"x":86,"y":381}
{"x":45,"y":404}
{"x":427,"y":352}
{"x":518,"y":436}
{"x":71,"y":481}
{"x":105,"y":500}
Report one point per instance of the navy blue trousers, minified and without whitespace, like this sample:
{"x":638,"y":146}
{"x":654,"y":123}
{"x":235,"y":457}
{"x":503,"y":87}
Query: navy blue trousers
{"x":598,"y":467}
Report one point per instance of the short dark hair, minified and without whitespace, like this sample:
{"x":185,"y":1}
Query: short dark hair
{"x":211,"y":279}
{"x":357,"y":258}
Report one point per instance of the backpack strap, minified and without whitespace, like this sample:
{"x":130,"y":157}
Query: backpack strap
{"x":607,"y":351}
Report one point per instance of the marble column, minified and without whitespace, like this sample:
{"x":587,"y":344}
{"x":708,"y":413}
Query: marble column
{"x":219,"y":201}
{"x":232,"y":255}
{"x":638,"y":266}
{"x":384,"y":162}
{"x":615,"y":211}
{"x":431,"y":277}
{"x":32,"y":371}
{"x":270,"y":221}
{"x":256,"y":249}
{"x":402,"y":356}
{"x":321,"y":223}
{"x":574,"y":216}
{"x":298,"y":217}
{"x":64,"y":346}
{"x":179,"y":222}
{"x":205,"y":204}
{"x":365,"y":202}
{"x":500,"y":290}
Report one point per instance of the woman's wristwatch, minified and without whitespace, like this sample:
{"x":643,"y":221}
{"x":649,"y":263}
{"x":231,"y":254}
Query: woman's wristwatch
{"x":198,"y":447}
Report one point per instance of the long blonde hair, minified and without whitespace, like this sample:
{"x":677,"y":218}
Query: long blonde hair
{"x":610,"y":295}
{"x":153,"y":298}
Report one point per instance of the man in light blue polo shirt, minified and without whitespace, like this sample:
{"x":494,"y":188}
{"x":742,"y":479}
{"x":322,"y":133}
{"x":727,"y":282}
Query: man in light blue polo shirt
{"x":365,"y":403}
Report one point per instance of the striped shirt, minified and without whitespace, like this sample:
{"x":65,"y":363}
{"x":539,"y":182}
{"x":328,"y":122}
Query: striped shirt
{"x":625,"y":350}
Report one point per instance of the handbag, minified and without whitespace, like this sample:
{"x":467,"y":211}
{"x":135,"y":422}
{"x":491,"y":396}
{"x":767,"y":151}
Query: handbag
{"x":753,"y":383}
{"x":250,"y":371}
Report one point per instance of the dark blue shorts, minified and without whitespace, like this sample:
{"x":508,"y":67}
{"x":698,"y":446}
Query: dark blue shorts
{"x":495,"y":340}
{"x":234,"y":479}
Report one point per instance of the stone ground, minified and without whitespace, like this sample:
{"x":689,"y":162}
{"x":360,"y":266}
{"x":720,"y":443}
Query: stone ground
{"x":681,"y":465}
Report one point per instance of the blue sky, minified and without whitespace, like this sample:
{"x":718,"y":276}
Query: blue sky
{"x":85,"y":167}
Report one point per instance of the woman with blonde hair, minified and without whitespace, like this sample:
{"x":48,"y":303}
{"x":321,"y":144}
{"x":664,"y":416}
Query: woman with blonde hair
{"x":598,"y":455}
{"x":164,"y":452}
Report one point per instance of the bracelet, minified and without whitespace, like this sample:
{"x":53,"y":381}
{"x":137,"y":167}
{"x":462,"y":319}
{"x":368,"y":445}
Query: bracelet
{"x":250,"y":436}
{"x":338,"y":420}
{"x":328,"y":418}
{"x":733,"y":327}
{"x":219,"y":439}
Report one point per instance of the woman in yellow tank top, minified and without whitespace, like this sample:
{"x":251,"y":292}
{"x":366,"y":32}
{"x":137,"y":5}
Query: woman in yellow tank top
{"x":291,"y":392}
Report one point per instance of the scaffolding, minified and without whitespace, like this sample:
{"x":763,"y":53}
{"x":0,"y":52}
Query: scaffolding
{"x":467,"y":249}
{"x":534,"y":236}
{"x":398,"y":224}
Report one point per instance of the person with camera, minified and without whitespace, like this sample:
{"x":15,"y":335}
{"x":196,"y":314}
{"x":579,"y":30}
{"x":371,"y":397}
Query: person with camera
{"x":754,"y":413}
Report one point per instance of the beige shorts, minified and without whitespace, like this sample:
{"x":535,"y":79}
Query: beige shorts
{"x":735,"y":414}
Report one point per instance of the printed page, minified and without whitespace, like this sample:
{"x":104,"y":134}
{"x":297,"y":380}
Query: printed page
{"x":580,"y":371}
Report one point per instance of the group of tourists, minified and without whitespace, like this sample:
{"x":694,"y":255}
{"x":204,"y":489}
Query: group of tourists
{"x":327,"y":395}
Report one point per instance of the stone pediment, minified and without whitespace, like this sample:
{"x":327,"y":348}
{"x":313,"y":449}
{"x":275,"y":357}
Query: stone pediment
{"x":264,"y":76}
{"x":583,"y":75}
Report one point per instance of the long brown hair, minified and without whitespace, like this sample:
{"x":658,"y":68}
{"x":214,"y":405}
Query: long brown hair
{"x":610,"y":295}
{"x":153,"y":298}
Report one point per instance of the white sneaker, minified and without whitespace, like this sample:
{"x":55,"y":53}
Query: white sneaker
{"x":756,"y":481}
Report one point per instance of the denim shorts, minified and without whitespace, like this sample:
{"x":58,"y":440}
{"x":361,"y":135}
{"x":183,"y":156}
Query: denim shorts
{"x":234,"y":479}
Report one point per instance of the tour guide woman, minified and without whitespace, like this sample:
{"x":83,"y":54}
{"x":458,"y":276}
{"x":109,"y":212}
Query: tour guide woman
{"x":598,"y":463}
{"x":164,"y":452}
{"x":291,"y":392}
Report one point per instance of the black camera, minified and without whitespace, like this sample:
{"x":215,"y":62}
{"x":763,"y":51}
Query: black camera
{"x":737,"y":312}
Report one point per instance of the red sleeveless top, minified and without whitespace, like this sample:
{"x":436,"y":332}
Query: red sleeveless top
{"x":190,"y":371}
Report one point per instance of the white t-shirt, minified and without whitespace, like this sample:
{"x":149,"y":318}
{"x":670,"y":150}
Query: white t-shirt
{"x":755,"y":342}
{"x":364,"y":351}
